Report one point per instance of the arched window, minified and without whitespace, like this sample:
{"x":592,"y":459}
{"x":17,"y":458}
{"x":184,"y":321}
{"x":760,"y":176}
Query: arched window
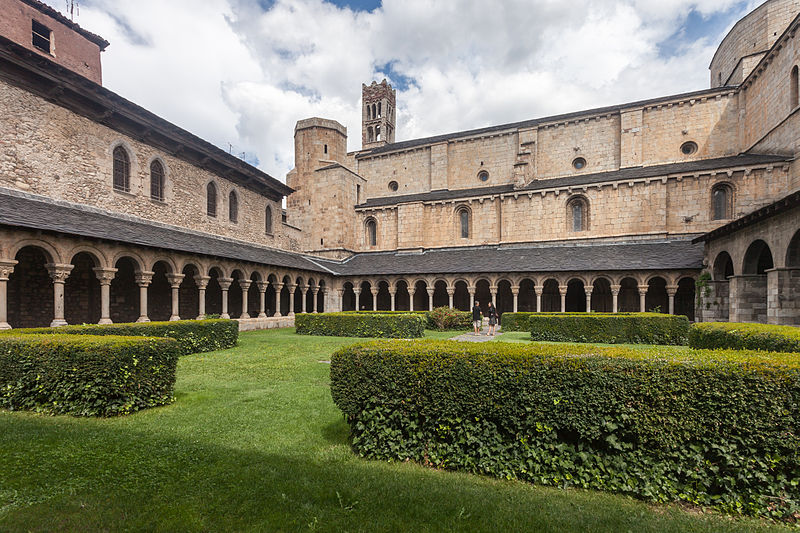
{"x":211,"y":200}
{"x":370,"y":134}
{"x":721,"y":202}
{"x":233,"y":207}
{"x":157,"y":181}
{"x":268,"y":220}
{"x":122,"y":170}
{"x":578,"y":214}
{"x":463,"y":218}
{"x":371,"y":232}
{"x":795,"y":100}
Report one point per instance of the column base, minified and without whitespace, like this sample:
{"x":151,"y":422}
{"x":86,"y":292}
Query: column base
{"x":142,"y":319}
{"x":173,"y":318}
{"x":58,"y":322}
{"x":200,"y":317}
{"x":262,"y":315}
{"x":244,"y":315}
{"x":277,"y":314}
{"x":5,"y":325}
{"x":291,"y":313}
{"x":105,"y":321}
{"x":224,"y":315}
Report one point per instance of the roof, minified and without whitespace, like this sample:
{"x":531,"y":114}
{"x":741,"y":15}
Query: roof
{"x":768,"y":211}
{"x":405,"y":145}
{"x":50,"y":12}
{"x":559,"y":257}
{"x":37,"y":212}
{"x":629,"y":173}
{"x":63,"y":87}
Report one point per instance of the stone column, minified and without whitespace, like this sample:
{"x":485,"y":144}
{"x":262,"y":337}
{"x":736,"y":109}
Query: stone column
{"x":471,"y":290}
{"x":6,"y":268}
{"x":314,"y":302}
{"x":262,"y":298}
{"x":493,"y":292}
{"x":672,"y":290}
{"x":245,"y":285}
{"x":104,"y":276}
{"x":59,"y":273}
{"x":538,"y":291}
{"x":588,"y":290}
{"x":341,"y":299}
{"x":615,"y":298}
{"x":278,"y":290}
{"x":143,"y":279}
{"x":357,"y":291}
{"x":392,"y":293}
{"x":202,"y":284}
{"x":515,"y":293}
{"x":303,"y":294}
{"x":175,"y":284}
{"x":411,"y":292}
{"x":450,"y":292}
{"x":292,"y":292}
{"x":374,"y":292}
{"x":642,"y":296}
{"x":224,"y":284}
{"x":562,"y":289}
{"x":430,"y":298}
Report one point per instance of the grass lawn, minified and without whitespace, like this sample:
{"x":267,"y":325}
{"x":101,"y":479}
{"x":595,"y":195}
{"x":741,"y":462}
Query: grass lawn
{"x":254,"y":443}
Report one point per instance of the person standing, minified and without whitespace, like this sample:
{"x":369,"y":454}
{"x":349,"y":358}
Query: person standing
{"x":476,"y":317}
{"x":491,"y":313}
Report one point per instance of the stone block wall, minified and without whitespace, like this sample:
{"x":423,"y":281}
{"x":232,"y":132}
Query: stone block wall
{"x":783,"y":296}
{"x":714,"y":304}
{"x":748,"y":298}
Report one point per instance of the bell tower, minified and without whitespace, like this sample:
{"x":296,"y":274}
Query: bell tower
{"x":377,"y":114}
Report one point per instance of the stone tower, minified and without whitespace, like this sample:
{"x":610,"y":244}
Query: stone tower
{"x":377,"y":114}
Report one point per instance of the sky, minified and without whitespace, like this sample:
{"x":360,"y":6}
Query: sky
{"x":241,"y":73}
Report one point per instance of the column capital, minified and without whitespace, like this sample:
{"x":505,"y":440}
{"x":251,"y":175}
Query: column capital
{"x":392,"y":291}
{"x":202,"y":281}
{"x":278,"y":287}
{"x":538,"y":290}
{"x":672,"y":290}
{"x":430,"y":291}
{"x":59,"y":272}
{"x":6,"y":268}
{"x":471,"y":289}
{"x":515,"y":289}
{"x":175,"y":280}
{"x":340,"y":291}
{"x":643,"y":289}
{"x":143,"y":277}
{"x":292,"y":287}
{"x":357,"y":290}
{"x":451,"y":291}
{"x":588,"y":289}
{"x":493,"y":289}
{"x":105,"y":275}
{"x":615,"y":289}
{"x":303,"y":288}
{"x":374,"y":290}
{"x":262,"y":286}
{"x":224,"y":283}
{"x":562,"y":289}
{"x":245,"y":284}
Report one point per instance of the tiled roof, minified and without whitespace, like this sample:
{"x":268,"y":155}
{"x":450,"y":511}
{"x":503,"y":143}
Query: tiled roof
{"x":622,"y":174}
{"x":775,"y":208}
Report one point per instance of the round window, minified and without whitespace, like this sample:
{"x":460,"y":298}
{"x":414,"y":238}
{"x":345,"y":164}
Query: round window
{"x":579,"y":163}
{"x":688,"y":148}
{"x":483,"y":175}
{"x":393,"y":186}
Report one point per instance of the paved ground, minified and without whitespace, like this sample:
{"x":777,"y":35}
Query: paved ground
{"x":482,"y":337}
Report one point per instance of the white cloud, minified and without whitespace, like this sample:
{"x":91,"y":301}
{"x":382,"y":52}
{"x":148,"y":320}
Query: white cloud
{"x":231,"y":72}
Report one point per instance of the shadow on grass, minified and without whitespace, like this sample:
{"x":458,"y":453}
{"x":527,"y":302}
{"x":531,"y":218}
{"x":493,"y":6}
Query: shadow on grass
{"x":337,"y":432}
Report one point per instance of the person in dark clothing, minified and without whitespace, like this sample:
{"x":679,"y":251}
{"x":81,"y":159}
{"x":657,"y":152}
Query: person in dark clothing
{"x":476,"y":317}
{"x":491,"y":313}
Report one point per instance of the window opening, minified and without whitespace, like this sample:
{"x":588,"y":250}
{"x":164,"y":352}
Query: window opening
{"x":42,"y":37}
{"x":122,"y":170}
{"x":156,"y":181}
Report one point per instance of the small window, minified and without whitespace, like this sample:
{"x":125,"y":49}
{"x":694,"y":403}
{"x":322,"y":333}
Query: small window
{"x":483,"y":175}
{"x":122,"y":170}
{"x":689,"y":148}
{"x":393,"y":186}
{"x":577,"y":211}
{"x":211,"y":200}
{"x":463,"y":221}
{"x":283,"y":217}
{"x":268,"y":220}
{"x":157,"y":181}
{"x":358,"y":193}
{"x":721,"y":202}
{"x":794,"y":96}
{"x":372,"y":232}
{"x":233,"y":207}
{"x":326,"y":149}
{"x":579,"y":163}
{"x":42,"y":37}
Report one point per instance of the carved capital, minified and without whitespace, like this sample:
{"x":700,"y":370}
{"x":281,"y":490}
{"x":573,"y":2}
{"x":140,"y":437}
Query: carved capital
{"x":292,"y":288}
{"x":105,"y":275}
{"x":262,"y":286}
{"x":245,"y":284}
{"x":224,"y":283}
{"x":6,"y":268}
{"x":175,"y":280}
{"x":59,"y":272}
{"x":672,"y":290}
{"x":278,"y":287}
{"x":643,"y":289}
{"x":562,"y":289}
{"x":357,"y":290}
{"x":430,"y":291}
{"x":515,"y":289}
{"x":143,"y":277}
{"x":202,"y":281}
{"x":588,"y":289}
{"x":451,"y":291}
{"x":538,"y":290}
{"x":615,"y":289}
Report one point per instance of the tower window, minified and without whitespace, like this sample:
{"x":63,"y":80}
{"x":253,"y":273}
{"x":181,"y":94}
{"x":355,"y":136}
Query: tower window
{"x":380,"y":113}
{"x":393,"y":186}
{"x":377,"y":133}
{"x":721,"y":196}
{"x":794,"y":88}
{"x":372,"y":232}
{"x":157,"y":181}
{"x":122,"y":170}
{"x":268,"y":220}
{"x":689,"y":148}
{"x":233,"y":207}
{"x":578,"y":214}
{"x":211,"y":200}
{"x":42,"y":37}
{"x":326,"y":148}
{"x":579,"y":163}
{"x":463,"y":217}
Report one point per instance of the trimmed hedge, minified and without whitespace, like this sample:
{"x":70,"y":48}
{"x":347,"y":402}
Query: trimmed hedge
{"x":446,"y":318}
{"x":361,"y":324}
{"x":192,"y":335}
{"x":610,"y":328}
{"x":742,"y":336}
{"x":715,"y":429}
{"x":87,"y":375}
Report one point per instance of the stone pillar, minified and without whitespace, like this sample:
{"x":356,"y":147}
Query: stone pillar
{"x":588,"y":290}
{"x":143,"y":279}
{"x":493,"y":292}
{"x":357,"y":291}
{"x":262,"y":298}
{"x":538,"y":291}
{"x":104,"y":276}
{"x":6,"y":268}
{"x":314,"y":302}
{"x":245,"y":285}
{"x":430,"y":298}
{"x":303,"y":294}
{"x":225,"y":284}
{"x":450,"y":292}
{"x":374,"y":292}
{"x":562,"y":289}
{"x":392,"y":293}
{"x":672,"y":290}
{"x":515,"y":293}
{"x":278,"y":290}
{"x":615,"y":298}
{"x":175,"y":284}
{"x":59,"y":273}
{"x":471,"y":290}
{"x":292,"y":292}
{"x":411,"y":292}
{"x":341,"y":299}
{"x":202,"y":284}
{"x":783,"y":296}
{"x":642,"y":296}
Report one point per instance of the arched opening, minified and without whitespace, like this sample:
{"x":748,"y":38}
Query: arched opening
{"x":576,"y":296}
{"x":723,"y":267}
{"x":233,"y":207}
{"x":656,"y":299}
{"x":254,"y":296}
{"x":82,"y":291}
{"x":297,"y":301}
{"x":628,"y":299}
{"x":159,"y":293}
{"x":286,"y":296}
{"x":684,"y":298}
{"x":370,"y":134}
{"x":578,"y":214}
{"x":757,"y":259}
{"x":30,"y":290}
{"x":211,"y":199}
{"x":526,"y":300}
{"x":602,"y":301}
{"x":188,"y":294}
{"x":122,"y":170}
{"x":268,"y":220}
{"x":348,"y":298}
{"x":310,"y":296}
{"x":384,"y":298}
{"x":214,"y":293}
{"x":793,"y":251}
{"x":371,"y":232}
{"x":271,"y":302}
{"x":440,"y":296}
{"x":321,"y":297}
{"x":125,"y":291}
{"x":157,"y":181}
{"x":551,"y":297}
{"x":461,"y":296}
{"x":402,"y":300}
{"x":722,"y":202}
{"x":483,"y":294}
{"x":794,"y":93}
{"x":505,"y":297}
{"x":421,"y":296}
{"x":366,"y":296}
{"x":463,"y":217}
{"x":235,"y":295}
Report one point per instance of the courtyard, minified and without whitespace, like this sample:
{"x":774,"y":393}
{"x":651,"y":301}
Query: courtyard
{"x":254,"y":442}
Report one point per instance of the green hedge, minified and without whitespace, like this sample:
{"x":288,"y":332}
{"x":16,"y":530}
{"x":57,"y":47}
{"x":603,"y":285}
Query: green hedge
{"x":361,"y":324}
{"x":446,"y":318}
{"x":611,"y":328}
{"x":87,"y":375}
{"x":192,"y":335}
{"x":713,"y":429}
{"x":740,"y":336}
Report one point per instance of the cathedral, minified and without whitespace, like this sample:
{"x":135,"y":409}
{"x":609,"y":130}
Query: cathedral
{"x":686,"y":204}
